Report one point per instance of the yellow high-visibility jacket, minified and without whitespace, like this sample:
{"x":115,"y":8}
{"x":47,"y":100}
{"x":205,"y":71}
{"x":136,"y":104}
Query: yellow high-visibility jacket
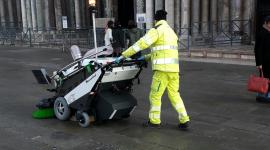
{"x":164,"y":48}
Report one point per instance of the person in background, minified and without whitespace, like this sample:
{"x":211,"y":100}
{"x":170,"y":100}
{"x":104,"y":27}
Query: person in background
{"x":118,"y":39}
{"x":133,"y":35}
{"x":262,"y":50}
{"x":108,"y":38}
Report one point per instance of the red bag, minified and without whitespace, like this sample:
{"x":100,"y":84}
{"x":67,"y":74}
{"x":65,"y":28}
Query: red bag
{"x":258,"y":84}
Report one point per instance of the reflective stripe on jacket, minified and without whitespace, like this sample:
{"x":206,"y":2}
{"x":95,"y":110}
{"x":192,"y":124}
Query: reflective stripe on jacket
{"x":164,"y":48}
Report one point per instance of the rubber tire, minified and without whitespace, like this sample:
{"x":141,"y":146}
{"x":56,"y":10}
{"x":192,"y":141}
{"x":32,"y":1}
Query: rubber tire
{"x":66,"y":112}
{"x":86,"y":120}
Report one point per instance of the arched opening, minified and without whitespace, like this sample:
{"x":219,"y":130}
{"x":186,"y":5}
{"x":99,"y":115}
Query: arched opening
{"x":125,"y":11}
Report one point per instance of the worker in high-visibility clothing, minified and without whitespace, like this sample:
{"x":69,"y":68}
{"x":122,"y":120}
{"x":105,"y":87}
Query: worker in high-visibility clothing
{"x":165,"y":64}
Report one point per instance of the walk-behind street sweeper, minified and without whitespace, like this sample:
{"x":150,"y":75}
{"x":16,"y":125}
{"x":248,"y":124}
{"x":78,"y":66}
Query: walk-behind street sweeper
{"x":89,"y":88}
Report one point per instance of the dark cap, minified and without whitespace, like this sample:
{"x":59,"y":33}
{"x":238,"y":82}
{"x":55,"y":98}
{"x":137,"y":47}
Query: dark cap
{"x":160,"y":15}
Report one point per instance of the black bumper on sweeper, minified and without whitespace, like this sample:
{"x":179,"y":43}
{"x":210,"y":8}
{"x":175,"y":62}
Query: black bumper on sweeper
{"x":114,"y":106}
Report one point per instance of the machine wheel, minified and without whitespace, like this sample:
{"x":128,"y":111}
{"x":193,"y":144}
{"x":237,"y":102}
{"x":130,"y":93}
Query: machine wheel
{"x":84,"y":119}
{"x":61,"y":109}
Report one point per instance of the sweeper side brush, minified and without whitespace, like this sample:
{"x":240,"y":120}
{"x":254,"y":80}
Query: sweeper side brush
{"x":44,"y":107}
{"x":44,"y":113}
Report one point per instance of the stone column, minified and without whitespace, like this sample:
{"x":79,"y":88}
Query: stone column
{"x":52,"y":14}
{"x":225,"y":17}
{"x":83,"y":18}
{"x":140,"y":6}
{"x":185,"y":19}
{"x":213,"y":14}
{"x":102,"y":7}
{"x":108,"y":11}
{"x":2,"y":14}
{"x":159,"y":4}
{"x":40,"y":15}
{"x":58,"y":14}
{"x":185,"y":13}
{"x":88,"y":16}
{"x":64,"y":7}
{"x":19,"y":13}
{"x":140,"y":9}
{"x":196,"y":9}
{"x":177,"y":14}
{"x":71,"y":12}
{"x":169,"y":7}
{"x":236,"y":11}
{"x":252,"y":14}
{"x":34,"y":14}
{"x":114,"y":9}
{"x":77,"y":14}
{"x":247,"y":16}
{"x":205,"y":16}
{"x":248,"y":9}
{"x":149,"y":14}
{"x":47,"y":15}
{"x":10,"y":13}
{"x":24,"y":16}
{"x":29,"y":13}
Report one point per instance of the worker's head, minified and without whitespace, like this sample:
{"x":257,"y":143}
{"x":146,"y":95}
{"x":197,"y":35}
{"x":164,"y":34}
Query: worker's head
{"x":160,"y":15}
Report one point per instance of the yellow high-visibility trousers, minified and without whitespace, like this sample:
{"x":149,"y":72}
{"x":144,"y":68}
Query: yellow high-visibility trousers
{"x":160,"y":82}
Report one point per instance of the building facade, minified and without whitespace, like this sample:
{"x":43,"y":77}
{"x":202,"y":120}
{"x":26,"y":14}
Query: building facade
{"x":196,"y":16}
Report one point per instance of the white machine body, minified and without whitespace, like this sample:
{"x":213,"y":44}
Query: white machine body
{"x":84,"y":88}
{"x":116,"y":74}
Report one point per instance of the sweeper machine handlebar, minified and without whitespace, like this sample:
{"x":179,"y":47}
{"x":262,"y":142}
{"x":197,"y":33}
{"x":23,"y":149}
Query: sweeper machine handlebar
{"x":76,"y":61}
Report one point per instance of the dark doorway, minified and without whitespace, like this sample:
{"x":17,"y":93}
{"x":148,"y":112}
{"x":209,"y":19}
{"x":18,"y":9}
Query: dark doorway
{"x":262,"y":10}
{"x":125,"y":11}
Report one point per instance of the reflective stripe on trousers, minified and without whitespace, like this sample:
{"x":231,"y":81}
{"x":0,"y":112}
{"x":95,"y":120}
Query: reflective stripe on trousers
{"x":155,"y":108}
{"x":154,"y":116}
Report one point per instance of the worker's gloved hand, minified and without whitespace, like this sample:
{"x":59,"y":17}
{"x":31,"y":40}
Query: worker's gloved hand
{"x":119,"y":59}
{"x":141,"y":58}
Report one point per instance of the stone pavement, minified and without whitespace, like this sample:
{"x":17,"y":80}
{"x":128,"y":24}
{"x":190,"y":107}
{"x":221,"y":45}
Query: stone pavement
{"x":224,"y":115}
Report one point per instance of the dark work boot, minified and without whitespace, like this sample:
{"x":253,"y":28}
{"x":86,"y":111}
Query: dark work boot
{"x":148,"y":124}
{"x":184,"y":126}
